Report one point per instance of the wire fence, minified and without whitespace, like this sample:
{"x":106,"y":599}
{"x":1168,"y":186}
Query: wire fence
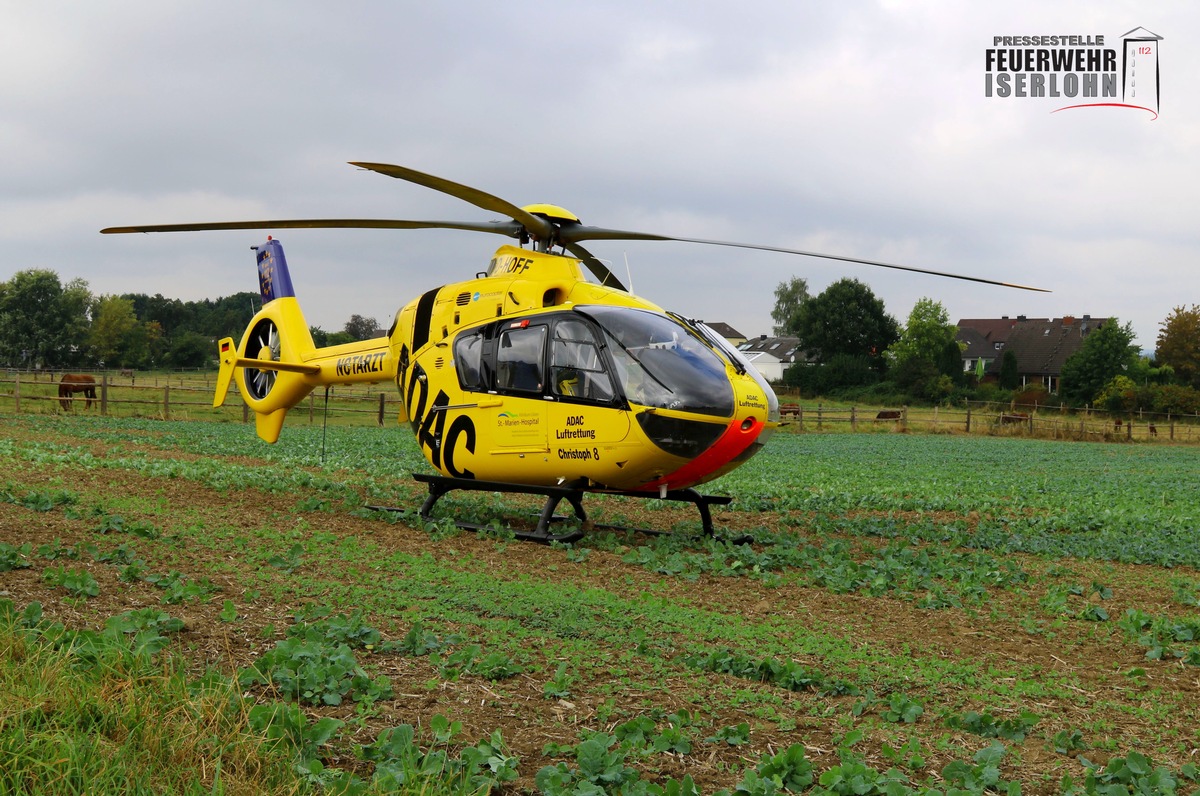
{"x":984,"y":418}
{"x":188,"y":396}
{"x":180,"y":396}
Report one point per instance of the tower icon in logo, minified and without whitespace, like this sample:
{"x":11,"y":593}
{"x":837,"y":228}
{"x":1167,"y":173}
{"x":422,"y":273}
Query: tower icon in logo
{"x":1140,"y":83}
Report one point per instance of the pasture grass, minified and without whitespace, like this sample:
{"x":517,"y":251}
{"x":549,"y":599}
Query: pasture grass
{"x":88,"y":716}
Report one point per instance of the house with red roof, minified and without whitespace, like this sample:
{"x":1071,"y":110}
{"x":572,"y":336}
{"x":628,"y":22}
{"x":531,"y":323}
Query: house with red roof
{"x":1041,"y":345}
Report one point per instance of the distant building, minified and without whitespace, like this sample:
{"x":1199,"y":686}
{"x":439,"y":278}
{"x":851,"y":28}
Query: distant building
{"x":771,"y":356}
{"x":728,"y":332}
{"x":985,"y":339}
{"x":978,"y":353}
{"x":1041,"y":345}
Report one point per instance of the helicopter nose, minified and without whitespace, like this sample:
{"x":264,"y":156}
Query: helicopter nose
{"x":740,"y":440}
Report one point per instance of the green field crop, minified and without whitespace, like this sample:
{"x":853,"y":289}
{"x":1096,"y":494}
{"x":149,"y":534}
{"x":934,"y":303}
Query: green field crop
{"x":877,"y":613}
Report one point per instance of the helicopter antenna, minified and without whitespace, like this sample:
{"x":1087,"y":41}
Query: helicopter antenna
{"x":628,"y":273}
{"x":324,"y":424}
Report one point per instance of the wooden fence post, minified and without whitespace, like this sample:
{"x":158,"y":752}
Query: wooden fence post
{"x":167,"y":400}
{"x":382,"y":398}
{"x":17,"y":393}
{"x":819,"y":420}
{"x":104,"y":395}
{"x":968,"y":418}
{"x":800,"y":416}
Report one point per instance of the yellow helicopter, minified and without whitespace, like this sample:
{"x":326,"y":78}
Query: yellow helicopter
{"x":529,"y":378}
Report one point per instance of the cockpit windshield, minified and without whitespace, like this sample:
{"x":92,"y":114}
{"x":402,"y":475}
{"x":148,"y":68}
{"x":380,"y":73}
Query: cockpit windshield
{"x":660,"y":363}
{"x":741,"y":363}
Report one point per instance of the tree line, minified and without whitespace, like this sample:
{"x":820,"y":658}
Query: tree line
{"x":45,"y":323}
{"x":855,"y":350}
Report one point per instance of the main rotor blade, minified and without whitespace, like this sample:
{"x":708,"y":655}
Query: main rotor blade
{"x":570,"y":234}
{"x":539,"y":227}
{"x":598,"y":269}
{"x":512,"y":229}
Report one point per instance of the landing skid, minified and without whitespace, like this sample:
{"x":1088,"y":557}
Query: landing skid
{"x":439,"y":486}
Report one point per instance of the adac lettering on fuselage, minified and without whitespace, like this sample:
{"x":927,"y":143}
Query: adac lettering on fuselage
{"x":429,"y":422}
{"x":510,"y":264}
{"x":360,"y":363}
{"x":576,"y":432}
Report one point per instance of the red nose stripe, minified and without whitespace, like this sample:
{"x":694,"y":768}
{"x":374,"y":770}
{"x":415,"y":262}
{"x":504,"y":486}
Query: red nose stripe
{"x":727,"y":448}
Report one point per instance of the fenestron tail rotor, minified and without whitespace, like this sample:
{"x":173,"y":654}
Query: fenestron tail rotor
{"x":546,"y":229}
{"x":263,"y":344}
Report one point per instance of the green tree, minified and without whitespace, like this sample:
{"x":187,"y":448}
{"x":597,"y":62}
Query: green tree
{"x":223,"y":317}
{"x":842,"y":371}
{"x":1010,"y":376}
{"x":361,"y":328}
{"x":917,"y":376}
{"x":1179,"y":344}
{"x":789,"y":298}
{"x":1106,"y":353}
{"x":146,"y":346}
{"x":846,"y":318}
{"x":950,"y":361}
{"x":1119,"y":395}
{"x":191,"y":350}
{"x":925,"y":335}
{"x":76,"y":308}
{"x":43,"y":323}
{"x":172,"y":315}
{"x":113,"y":324}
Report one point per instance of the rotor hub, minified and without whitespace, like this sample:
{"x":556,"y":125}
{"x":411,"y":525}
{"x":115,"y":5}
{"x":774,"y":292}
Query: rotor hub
{"x":552,"y":213}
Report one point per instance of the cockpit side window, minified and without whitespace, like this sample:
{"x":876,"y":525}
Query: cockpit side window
{"x":577,"y":370}
{"x":519,"y":357}
{"x":469,"y":361}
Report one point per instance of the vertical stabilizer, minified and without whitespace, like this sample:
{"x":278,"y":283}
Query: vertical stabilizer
{"x":274,"y":280}
{"x":269,"y":424}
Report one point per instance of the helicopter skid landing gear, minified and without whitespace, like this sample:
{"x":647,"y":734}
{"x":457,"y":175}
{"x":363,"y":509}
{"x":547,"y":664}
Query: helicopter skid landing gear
{"x":439,"y":486}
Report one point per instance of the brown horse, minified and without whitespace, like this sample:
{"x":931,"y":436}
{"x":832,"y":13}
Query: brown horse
{"x":76,"y":382}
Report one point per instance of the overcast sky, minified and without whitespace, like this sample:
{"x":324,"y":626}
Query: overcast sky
{"x":855,"y":128}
